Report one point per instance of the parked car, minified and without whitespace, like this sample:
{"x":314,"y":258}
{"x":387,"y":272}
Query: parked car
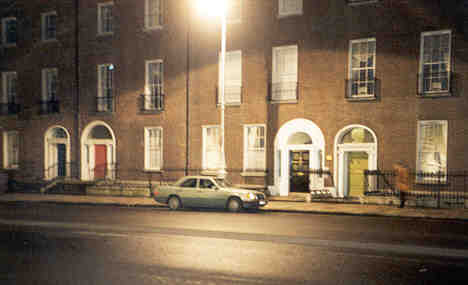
{"x":208,"y":192}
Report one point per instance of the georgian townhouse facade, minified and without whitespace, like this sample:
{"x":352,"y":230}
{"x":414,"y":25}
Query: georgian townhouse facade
{"x":129,"y":89}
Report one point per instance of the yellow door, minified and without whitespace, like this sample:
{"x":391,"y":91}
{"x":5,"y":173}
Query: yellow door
{"x":357,"y":163}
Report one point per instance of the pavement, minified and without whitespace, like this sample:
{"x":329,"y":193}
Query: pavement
{"x":278,"y":205}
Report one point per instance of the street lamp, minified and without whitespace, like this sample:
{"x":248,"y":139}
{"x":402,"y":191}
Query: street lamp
{"x":218,"y":8}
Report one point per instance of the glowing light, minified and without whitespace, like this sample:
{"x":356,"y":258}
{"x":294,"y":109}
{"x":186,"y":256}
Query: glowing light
{"x":212,"y":8}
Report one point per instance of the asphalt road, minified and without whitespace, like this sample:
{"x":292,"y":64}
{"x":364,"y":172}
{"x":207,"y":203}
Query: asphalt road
{"x":63,"y":244}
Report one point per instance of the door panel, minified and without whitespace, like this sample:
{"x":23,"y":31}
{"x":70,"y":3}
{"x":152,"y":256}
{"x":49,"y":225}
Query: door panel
{"x":100,"y":161}
{"x":357,"y":163}
{"x":299,"y":168}
{"x":61,"y":160}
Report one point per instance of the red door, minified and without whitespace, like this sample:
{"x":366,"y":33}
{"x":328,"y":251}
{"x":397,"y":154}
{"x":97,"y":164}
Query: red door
{"x":100,"y":161}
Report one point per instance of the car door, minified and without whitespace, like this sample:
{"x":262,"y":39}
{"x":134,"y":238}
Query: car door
{"x":211,"y":196}
{"x":187,"y":191}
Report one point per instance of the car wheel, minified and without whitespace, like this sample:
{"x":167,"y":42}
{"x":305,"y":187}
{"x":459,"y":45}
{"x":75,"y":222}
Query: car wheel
{"x":234,"y":205}
{"x":174,"y":203}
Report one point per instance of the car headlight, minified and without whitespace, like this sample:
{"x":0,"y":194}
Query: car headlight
{"x":251,"y":196}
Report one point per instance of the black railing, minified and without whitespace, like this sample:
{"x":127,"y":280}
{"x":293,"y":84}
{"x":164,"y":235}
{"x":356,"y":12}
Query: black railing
{"x":447,"y":187}
{"x":362,"y":90}
{"x":378,"y":182}
{"x":232,"y":95}
{"x":152,"y":102}
{"x":49,"y":107}
{"x":62,"y":170}
{"x":435,"y":84}
{"x":284,"y":91}
{"x":105,"y":104}
{"x":9,"y":109}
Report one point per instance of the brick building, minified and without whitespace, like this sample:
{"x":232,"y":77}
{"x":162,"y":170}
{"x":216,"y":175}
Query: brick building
{"x":129,"y":88}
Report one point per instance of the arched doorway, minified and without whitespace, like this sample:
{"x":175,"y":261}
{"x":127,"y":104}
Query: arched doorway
{"x":355,"y":151}
{"x":299,"y":147}
{"x":98,"y":152}
{"x":56,"y":153}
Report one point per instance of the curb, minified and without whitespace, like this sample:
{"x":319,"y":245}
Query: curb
{"x":341,"y":213}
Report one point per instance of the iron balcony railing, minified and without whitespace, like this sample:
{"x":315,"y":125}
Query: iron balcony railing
{"x":49,"y":106}
{"x":287,"y":91}
{"x":361,"y":2}
{"x":105,"y":104}
{"x":232,"y":94}
{"x":152,"y":102}
{"x":435,"y":84}
{"x":362,"y":90}
{"x":9,"y":109}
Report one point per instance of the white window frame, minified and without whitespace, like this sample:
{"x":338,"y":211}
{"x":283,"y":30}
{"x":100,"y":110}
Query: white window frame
{"x":6,"y":96}
{"x":47,"y":94}
{"x":149,"y":25}
{"x":231,"y":86}
{"x":102,"y":106}
{"x":148,"y":103}
{"x":442,"y":156}
{"x":149,"y":165}
{"x":246,"y":170}
{"x":350,"y":70}
{"x":101,"y":19}
{"x":44,"y":26}
{"x":282,"y":12}
{"x":4,"y":32}
{"x":6,"y":150}
{"x":205,"y":164}
{"x":422,"y":63}
{"x":281,"y":79}
{"x":230,"y":5}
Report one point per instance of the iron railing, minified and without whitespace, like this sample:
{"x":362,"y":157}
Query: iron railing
{"x":378,"y":182}
{"x":105,"y":104}
{"x":232,"y":94}
{"x":284,"y":91}
{"x":435,"y":84}
{"x":152,"y":102}
{"x":9,"y":109}
{"x":49,"y":106}
{"x":441,"y":187}
{"x":62,"y":170}
{"x":362,"y":90}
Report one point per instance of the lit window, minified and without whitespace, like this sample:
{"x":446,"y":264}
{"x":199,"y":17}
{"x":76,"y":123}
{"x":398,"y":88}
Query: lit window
{"x":362,"y":68}
{"x":105,"y":87}
{"x":432,"y":148}
{"x":10,"y":149}
{"x":154,"y":91}
{"x":9,"y":31}
{"x":49,"y":84}
{"x":284,"y":85}
{"x":254,"y":148}
{"x":289,"y":7}
{"x":434,"y":63}
{"x":153,"y":14}
{"x":211,"y":148}
{"x":153,"y":148}
{"x":49,"y":26}
{"x":232,"y":78}
{"x":9,"y":87}
{"x":105,"y":18}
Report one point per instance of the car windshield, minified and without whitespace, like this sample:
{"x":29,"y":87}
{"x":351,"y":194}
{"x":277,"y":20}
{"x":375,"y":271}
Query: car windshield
{"x":223,"y":182}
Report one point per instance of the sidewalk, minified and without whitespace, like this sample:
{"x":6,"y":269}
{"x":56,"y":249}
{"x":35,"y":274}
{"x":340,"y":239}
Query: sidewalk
{"x":274,"y":206}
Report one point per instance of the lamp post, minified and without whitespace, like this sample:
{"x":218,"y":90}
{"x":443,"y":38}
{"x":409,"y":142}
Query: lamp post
{"x":218,"y":8}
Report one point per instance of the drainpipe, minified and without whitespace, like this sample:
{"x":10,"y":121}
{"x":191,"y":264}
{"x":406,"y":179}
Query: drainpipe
{"x":77,"y":90}
{"x":187,"y":88}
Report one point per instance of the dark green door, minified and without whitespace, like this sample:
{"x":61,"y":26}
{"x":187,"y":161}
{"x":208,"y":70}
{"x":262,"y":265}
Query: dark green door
{"x":299,"y":171}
